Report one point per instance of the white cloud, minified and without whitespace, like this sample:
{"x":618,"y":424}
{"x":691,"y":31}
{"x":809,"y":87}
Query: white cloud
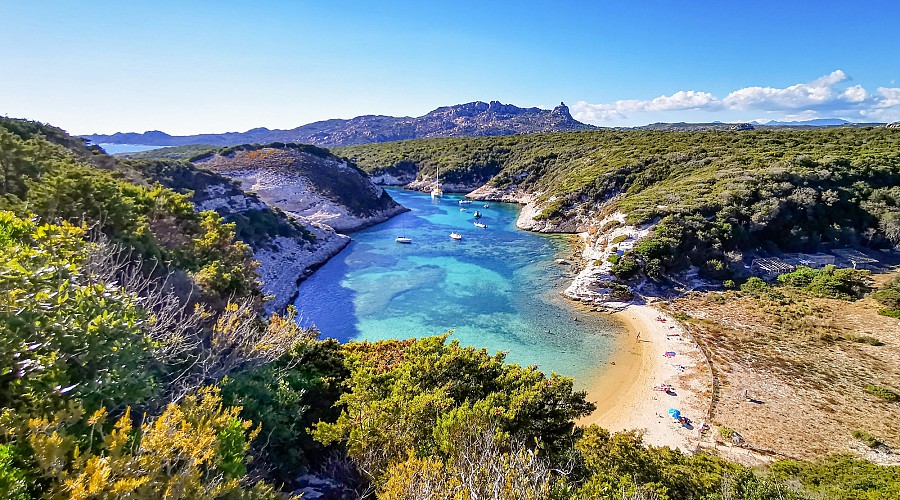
{"x":681,"y":100}
{"x":826,"y":94}
{"x":802,"y":95}
{"x":806,"y":114}
{"x":855,"y":93}
{"x":889,"y":97}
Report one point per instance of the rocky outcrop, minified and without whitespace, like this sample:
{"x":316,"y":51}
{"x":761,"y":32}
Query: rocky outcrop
{"x":309,"y":183}
{"x":289,"y":247}
{"x":286,"y":261}
{"x":392,"y":180}
{"x":321,"y":195}
{"x":595,"y":283}
{"x":531,"y":216}
{"x":425,"y":184}
{"x":462,"y":120}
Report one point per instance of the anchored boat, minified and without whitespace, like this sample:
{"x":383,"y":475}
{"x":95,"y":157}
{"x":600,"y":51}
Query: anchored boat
{"x":436,"y":191}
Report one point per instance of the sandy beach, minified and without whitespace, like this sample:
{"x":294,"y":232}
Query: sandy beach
{"x":625,"y":393}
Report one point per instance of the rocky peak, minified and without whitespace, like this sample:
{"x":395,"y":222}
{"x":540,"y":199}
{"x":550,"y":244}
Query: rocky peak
{"x":471,"y":119}
{"x":562,"y":111}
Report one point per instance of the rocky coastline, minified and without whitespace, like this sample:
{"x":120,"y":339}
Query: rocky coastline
{"x":324,"y":196}
{"x":594,"y":284}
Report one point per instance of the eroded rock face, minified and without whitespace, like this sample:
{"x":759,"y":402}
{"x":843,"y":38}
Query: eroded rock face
{"x":289,"y":247}
{"x":530,"y":218}
{"x":309,"y":183}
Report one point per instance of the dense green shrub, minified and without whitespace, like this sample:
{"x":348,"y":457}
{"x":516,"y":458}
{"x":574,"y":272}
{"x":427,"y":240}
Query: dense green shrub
{"x":865,"y":437}
{"x":13,"y":480}
{"x":889,"y":297}
{"x":405,"y":395}
{"x":883,"y":392}
{"x":51,"y":309}
{"x":847,"y":284}
{"x":754,"y":286}
{"x":287,"y":397}
{"x":626,"y":267}
{"x":617,"y":465}
{"x":842,"y":477}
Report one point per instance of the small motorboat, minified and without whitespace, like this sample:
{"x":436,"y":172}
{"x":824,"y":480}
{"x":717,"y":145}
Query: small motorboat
{"x":465,"y":202}
{"x":477,"y":214}
{"x":480,"y":224}
{"x":487,"y":206}
{"x":463,"y":209}
{"x":403,"y":239}
{"x":455,"y":236}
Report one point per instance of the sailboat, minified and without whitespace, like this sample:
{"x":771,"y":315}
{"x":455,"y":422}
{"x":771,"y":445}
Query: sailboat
{"x":436,"y":191}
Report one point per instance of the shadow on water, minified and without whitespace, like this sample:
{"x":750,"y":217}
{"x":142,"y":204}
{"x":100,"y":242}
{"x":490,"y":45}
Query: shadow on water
{"x":323,"y":301}
{"x":497,"y":288}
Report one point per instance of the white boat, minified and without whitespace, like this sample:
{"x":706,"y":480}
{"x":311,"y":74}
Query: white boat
{"x":480,"y":224}
{"x":477,"y":214}
{"x":463,"y":209}
{"x":455,"y":236}
{"x":465,"y":202}
{"x":403,"y":239}
{"x":487,"y":206}
{"x":436,"y":191}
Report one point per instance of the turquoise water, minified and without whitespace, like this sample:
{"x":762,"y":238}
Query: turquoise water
{"x":115,"y":149}
{"x":497,"y":288}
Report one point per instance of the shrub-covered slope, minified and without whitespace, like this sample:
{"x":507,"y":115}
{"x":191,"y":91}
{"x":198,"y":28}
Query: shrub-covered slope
{"x":713,"y":191}
{"x":114,"y":384}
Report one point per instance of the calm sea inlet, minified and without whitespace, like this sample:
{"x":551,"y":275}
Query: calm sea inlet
{"x":115,"y":149}
{"x":497,"y":288}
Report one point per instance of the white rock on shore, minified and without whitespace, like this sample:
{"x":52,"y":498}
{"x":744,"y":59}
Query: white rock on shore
{"x":390,"y":180}
{"x":426,"y":183}
{"x":589,"y":285}
{"x":292,"y":194}
{"x":289,"y":261}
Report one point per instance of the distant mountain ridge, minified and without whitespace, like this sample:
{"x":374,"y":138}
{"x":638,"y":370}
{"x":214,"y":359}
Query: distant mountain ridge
{"x":472,"y":119}
{"x":817,"y":122}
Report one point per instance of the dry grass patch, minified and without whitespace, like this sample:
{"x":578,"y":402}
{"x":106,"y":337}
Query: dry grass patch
{"x":806,"y":366}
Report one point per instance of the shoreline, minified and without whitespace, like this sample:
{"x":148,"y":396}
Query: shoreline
{"x":624,"y":390}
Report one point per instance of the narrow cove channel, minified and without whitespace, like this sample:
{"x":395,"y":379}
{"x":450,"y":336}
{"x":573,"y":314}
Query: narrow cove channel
{"x":497,"y":288}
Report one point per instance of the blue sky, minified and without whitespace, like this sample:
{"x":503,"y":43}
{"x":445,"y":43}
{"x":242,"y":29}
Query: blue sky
{"x":216,"y":66}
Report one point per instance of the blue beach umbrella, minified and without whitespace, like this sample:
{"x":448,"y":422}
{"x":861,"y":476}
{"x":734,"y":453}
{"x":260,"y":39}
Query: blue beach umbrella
{"x":674,"y":413}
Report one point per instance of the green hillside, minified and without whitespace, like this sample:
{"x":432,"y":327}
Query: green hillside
{"x":714,"y":192}
{"x":134,"y":363}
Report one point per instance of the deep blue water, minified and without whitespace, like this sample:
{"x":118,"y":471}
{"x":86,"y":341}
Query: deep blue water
{"x":497,"y":288}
